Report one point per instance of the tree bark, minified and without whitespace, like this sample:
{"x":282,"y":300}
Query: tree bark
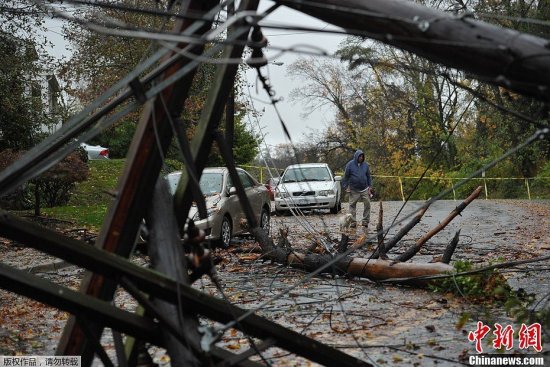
{"x":385,"y":269}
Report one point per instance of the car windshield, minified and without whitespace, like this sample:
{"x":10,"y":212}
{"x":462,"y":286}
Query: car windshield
{"x":301,"y":174}
{"x":211,"y":183}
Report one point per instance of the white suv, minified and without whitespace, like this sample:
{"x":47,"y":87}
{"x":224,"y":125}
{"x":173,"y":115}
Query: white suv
{"x":308,"y":186}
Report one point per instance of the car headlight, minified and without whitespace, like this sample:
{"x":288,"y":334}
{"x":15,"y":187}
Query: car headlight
{"x":326,"y":192}
{"x":282,"y":195}
{"x":209,"y":212}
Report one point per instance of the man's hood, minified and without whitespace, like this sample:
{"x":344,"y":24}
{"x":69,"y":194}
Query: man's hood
{"x":358,"y":152}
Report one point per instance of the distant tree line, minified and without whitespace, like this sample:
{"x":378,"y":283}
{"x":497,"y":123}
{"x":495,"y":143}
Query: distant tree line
{"x":412,"y":116}
{"x":99,"y":60}
{"x":23,"y":118}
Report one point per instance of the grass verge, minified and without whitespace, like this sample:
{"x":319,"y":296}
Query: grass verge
{"x":91,"y":199}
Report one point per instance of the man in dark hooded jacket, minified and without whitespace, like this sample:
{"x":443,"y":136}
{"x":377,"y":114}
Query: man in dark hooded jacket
{"x":358,"y":179}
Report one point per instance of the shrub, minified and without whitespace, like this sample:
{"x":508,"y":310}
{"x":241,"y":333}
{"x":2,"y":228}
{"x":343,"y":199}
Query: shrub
{"x":52,"y":188}
{"x":55,"y":184}
{"x":20,"y":198}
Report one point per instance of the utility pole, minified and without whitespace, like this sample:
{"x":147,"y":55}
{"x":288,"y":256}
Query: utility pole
{"x":505,"y":57}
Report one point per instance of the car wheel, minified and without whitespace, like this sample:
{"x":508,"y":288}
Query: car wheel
{"x":264,"y":220}
{"x":225,"y":233}
{"x":336,"y":208}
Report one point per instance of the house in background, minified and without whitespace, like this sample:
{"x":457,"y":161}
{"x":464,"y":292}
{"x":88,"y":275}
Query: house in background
{"x":45,"y":93}
{"x":50,"y":97}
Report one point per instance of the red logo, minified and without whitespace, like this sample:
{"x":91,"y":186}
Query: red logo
{"x":529,"y":336}
{"x":504,"y":337}
{"x":479,"y":334}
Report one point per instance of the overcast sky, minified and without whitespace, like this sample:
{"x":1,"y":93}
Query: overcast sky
{"x":282,"y":84}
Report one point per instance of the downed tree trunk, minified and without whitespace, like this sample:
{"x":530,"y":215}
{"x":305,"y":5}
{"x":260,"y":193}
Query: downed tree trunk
{"x":387,"y":269}
{"x":375,"y":269}
{"x":413,"y":250}
{"x":360,"y":267}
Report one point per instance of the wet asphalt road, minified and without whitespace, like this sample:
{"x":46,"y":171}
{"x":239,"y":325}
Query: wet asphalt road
{"x":415,"y":326}
{"x":381,"y":324}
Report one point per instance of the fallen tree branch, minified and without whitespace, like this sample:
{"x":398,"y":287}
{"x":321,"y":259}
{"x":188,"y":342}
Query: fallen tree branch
{"x":380,"y":233}
{"x":374,"y":269}
{"x":413,"y":250}
{"x":344,"y":264}
{"x":416,"y":219}
{"x":449,"y":251}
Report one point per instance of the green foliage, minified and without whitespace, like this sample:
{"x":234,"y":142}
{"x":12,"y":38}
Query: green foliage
{"x":91,"y":198}
{"x":540,"y":186}
{"x":20,"y":112}
{"x":52,"y":188}
{"x":517,"y":305}
{"x":171,"y":165}
{"x":489,"y":287}
{"x":55,"y":184}
{"x":117,"y":138}
{"x":486,"y":286}
{"x":24,"y":61}
{"x":245,"y":146}
{"x":246,"y":143}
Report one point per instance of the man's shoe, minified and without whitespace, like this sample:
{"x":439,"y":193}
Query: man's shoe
{"x":365,"y":224}
{"x":353,"y":224}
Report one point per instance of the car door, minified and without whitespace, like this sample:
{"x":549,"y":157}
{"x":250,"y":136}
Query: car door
{"x":233,"y":206}
{"x":252,"y":192}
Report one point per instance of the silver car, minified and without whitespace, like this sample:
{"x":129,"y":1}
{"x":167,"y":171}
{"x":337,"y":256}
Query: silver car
{"x":308,"y":186}
{"x":225,"y":213}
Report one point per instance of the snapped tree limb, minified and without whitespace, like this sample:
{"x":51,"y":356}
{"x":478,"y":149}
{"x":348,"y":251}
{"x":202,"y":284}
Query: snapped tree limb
{"x":413,"y":250}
